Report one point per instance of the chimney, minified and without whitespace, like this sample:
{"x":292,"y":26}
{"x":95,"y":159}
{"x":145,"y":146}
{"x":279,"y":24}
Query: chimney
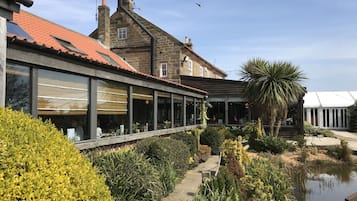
{"x":127,"y":4}
{"x":104,"y":23}
{"x":188,"y":42}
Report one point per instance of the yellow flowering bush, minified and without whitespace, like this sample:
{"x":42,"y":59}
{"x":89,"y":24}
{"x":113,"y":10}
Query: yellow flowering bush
{"x":236,"y":148}
{"x":38,"y":163}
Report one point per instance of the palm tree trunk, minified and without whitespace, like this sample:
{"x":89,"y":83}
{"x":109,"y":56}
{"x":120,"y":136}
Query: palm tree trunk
{"x":277,"y":128}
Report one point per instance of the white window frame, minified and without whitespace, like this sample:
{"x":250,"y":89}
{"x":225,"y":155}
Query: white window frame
{"x":122,"y":33}
{"x":201,"y":71}
{"x":206,"y":72}
{"x":163,"y":70}
{"x":190,"y":67}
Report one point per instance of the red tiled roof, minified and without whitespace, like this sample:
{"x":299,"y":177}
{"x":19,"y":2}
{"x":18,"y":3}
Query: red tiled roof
{"x":43,"y":32}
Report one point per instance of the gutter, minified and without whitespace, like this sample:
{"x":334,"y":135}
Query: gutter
{"x":153,"y":41}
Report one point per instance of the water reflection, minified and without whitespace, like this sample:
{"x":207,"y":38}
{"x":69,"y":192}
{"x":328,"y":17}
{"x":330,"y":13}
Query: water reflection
{"x":324,"y":181}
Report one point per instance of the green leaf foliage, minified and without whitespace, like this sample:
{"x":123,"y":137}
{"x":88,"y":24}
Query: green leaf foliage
{"x":189,"y":139}
{"x":212,"y":138}
{"x":38,"y":163}
{"x":270,"y":144}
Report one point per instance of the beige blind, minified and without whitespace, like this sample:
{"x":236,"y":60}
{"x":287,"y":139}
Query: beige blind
{"x":142,"y":94}
{"x":62,"y":94}
{"x":112,"y":98}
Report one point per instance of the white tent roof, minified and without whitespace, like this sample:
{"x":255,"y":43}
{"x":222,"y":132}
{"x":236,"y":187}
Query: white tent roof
{"x":330,"y":99}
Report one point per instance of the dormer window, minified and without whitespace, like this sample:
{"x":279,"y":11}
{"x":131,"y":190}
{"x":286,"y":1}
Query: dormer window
{"x":122,"y":33}
{"x":108,"y":58}
{"x":68,"y":45}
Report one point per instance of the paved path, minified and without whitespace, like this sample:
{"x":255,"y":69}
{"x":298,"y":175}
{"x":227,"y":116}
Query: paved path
{"x":351,"y":138}
{"x":186,"y":190}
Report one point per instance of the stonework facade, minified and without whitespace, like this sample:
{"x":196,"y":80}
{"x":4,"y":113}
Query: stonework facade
{"x":147,"y":47}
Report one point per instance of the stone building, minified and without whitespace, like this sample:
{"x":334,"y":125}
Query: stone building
{"x":148,"y":47}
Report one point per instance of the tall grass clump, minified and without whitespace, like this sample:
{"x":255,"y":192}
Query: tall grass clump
{"x":220,"y":188}
{"x":163,"y":151}
{"x":130,"y":176}
{"x":37,"y":162}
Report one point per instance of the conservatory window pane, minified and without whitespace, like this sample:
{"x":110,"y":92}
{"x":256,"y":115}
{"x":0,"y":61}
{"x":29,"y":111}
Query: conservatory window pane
{"x":112,"y":108}
{"x":63,"y":98}
{"x":190,"y":111}
{"x":143,"y":109}
{"x":164,"y":110}
{"x":178,"y":110}
{"x":18,"y":88}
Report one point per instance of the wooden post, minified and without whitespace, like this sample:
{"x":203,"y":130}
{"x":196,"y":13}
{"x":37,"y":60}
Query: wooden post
{"x":2,"y":60}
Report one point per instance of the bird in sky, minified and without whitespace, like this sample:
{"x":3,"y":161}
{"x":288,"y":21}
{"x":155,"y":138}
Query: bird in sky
{"x":198,"y":4}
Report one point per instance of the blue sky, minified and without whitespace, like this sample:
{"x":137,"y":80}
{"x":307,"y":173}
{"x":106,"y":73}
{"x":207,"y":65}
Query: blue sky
{"x":319,"y":36}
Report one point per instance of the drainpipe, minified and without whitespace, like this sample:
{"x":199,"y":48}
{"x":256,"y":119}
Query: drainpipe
{"x":2,"y":60}
{"x":153,"y":41}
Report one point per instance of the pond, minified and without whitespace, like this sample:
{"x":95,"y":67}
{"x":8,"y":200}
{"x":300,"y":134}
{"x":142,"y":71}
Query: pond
{"x":324,"y":181}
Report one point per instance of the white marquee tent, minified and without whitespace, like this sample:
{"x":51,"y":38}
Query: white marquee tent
{"x":328,"y":109}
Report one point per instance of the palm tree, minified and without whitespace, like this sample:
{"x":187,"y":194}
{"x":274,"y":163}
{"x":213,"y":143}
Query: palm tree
{"x":272,"y":87}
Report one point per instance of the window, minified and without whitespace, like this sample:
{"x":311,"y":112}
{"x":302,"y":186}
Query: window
{"x":189,"y":67}
{"x":178,"y":110}
{"x":164,"y":110}
{"x":123,"y":33}
{"x":206,"y":72}
{"x":190,"y":111}
{"x":108,"y":58}
{"x":68,"y":45}
{"x":163,"y":70}
{"x":143,"y":109}
{"x":63,"y":98}
{"x":201,"y":71}
{"x":17,"y":30}
{"x":112,"y":107}
{"x":18,"y":87}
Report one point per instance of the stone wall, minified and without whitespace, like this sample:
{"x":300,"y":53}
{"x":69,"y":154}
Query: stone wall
{"x":136,"y":49}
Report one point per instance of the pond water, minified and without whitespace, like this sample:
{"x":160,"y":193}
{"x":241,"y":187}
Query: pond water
{"x":327,"y":182}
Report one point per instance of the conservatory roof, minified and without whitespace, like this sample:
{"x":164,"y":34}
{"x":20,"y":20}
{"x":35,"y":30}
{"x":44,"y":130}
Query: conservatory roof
{"x":330,"y":99}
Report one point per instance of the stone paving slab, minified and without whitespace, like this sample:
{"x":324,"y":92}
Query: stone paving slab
{"x":351,"y":138}
{"x":188,"y":187}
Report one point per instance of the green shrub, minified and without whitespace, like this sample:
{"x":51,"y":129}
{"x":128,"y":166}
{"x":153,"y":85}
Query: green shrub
{"x":188,"y":139}
{"x":236,"y":131}
{"x":213,"y":139}
{"x":160,"y":151}
{"x":353,"y":118}
{"x":266,"y":181}
{"x":301,"y":142}
{"x":220,"y":188}
{"x":226,"y":133}
{"x":309,"y":129}
{"x":130,"y":176}
{"x":38,"y":163}
{"x":271,"y":144}
{"x":341,"y":152}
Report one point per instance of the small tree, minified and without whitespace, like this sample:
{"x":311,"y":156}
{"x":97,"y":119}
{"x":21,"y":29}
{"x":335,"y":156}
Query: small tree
{"x":272,"y":87}
{"x":353,"y":118}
